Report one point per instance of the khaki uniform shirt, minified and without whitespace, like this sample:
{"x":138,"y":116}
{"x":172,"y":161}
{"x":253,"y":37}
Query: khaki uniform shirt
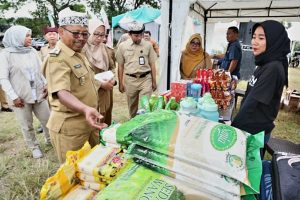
{"x":68,"y":70}
{"x":44,"y":52}
{"x":112,"y":57}
{"x":129,"y":54}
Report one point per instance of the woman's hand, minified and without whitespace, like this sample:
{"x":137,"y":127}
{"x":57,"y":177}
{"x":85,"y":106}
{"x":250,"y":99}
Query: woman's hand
{"x":107,"y":85}
{"x":45,"y":91}
{"x":18,"y":102}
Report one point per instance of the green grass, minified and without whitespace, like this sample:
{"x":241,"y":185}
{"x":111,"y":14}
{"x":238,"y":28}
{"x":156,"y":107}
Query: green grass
{"x":21,"y":177}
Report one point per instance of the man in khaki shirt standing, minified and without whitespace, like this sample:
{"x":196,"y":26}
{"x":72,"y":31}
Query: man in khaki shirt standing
{"x":73,"y":93}
{"x":136,"y":67}
{"x":51,"y":35}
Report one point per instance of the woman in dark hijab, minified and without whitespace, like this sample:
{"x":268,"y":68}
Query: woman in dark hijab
{"x":260,"y":106}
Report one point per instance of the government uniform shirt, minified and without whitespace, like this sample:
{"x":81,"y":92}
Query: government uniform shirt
{"x":68,"y":70}
{"x":130,"y":53}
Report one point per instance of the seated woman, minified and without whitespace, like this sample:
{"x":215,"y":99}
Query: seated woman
{"x":193,"y":58}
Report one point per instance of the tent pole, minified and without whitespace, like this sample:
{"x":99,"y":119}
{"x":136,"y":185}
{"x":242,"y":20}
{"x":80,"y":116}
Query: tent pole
{"x":169,"y":46}
{"x":205,"y":21}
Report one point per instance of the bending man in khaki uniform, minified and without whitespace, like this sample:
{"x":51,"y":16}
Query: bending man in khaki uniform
{"x":136,"y":71}
{"x":73,"y":94}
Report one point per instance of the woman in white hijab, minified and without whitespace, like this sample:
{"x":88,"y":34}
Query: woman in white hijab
{"x":97,"y":54}
{"x":25,"y":86}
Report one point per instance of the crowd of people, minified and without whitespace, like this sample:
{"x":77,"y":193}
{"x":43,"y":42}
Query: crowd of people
{"x":57,"y":84}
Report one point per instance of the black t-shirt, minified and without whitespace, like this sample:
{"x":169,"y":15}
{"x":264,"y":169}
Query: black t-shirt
{"x":261,"y":103}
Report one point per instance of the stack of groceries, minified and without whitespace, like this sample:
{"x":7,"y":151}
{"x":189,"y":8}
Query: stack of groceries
{"x":167,"y":155}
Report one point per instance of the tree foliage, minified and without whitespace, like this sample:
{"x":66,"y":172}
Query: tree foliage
{"x":117,"y":7}
{"x":53,"y":7}
{"x":42,"y":6}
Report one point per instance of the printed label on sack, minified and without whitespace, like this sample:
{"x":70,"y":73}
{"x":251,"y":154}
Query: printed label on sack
{"x":223,"y":137}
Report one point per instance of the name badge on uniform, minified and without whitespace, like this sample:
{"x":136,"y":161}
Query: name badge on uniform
{"x":141,"y":60}
{"x":77,"y":66}
{"x":82,"y":80}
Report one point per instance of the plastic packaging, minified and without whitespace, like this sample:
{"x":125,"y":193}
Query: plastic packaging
{"x":196,"y":90}
{"x":159,"y":104}
{"x":188,"y":105}
{"x":208,"y":109}
{"x":144,"y":103}
{"x":172,"y":104}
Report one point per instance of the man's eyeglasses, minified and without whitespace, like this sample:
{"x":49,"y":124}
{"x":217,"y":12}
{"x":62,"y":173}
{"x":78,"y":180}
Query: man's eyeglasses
{"x":76,"y":34}
{"x":196,"y":44}
{"x":99,"y":35}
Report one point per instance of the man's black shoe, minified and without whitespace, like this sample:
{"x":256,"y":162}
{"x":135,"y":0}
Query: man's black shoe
{"x":39,"y":129}
{"x":6,"y":110}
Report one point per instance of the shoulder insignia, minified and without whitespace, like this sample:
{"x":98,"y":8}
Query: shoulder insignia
{"x":55,"y":51}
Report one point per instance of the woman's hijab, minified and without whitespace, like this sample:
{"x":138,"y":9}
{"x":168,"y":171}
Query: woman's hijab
{"x":277,"y":47}
{"x":14,"y":39}
{"x":96,"y":54}
{"x":191,"y":59}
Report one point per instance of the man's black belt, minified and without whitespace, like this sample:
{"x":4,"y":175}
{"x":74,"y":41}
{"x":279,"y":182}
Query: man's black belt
{"x":139,"y":75}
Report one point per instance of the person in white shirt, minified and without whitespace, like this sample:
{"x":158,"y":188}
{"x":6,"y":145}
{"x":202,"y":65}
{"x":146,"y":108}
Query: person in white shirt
{"x":24,"y":84}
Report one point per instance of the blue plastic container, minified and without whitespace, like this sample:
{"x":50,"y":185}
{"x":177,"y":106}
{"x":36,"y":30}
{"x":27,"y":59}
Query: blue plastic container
{"x":207,"y":108}
{"x":209,"y":111}
{"x":196,"y":91}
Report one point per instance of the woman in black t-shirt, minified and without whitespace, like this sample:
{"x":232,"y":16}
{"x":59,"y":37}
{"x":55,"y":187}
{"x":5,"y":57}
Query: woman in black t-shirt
{"x":260,"y":106}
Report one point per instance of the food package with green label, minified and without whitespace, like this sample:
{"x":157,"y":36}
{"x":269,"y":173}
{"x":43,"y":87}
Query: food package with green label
{"x":80,"y":193}
{"x":108,"y":135}
{"x":172,"y":104}
{"x":64,"y":179}
{"x":159,"y":104}
{"x":199,"y":142}
{"x":152,"y":101}
{"x":102,"y":163}
{"x":93,"y":185}
{"x":204,"y":179}
{"x":144,"y":103}
{"x":137,"y":182}
{"x":151,"y":122}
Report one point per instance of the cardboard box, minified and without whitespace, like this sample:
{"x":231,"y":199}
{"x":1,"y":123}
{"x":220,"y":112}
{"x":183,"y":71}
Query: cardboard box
{"x":291,"y":102}
{"x":294,"y":102}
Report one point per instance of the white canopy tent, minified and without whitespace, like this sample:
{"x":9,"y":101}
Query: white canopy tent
{"x":175,"y":15}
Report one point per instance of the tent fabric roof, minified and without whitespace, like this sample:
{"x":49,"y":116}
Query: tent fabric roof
{"x":248,"y":9}
{"x":144,"y":14}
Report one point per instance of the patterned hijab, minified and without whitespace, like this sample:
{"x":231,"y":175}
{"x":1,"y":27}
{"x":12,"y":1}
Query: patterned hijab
{"x":96,"y":54}
{"x":14,"y":39}
{"x":191,"y":59}
{"x":278,"y":45}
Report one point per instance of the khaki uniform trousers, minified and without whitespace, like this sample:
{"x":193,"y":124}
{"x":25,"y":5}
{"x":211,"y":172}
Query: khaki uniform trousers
{"x":135,"y":88}
{"x":25,"y":119}
{"x":73,"y":133}
{"x":3,"y":100}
